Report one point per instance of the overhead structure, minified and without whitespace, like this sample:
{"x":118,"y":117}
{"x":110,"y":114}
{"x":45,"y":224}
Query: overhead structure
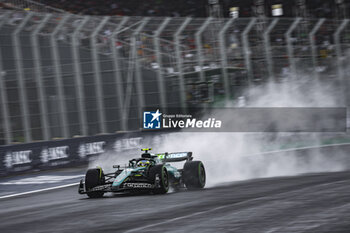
{"x":260,"y":14}
{"x":300,"y":9}
{"x":214,"y":9}
{"x":340,"y":9}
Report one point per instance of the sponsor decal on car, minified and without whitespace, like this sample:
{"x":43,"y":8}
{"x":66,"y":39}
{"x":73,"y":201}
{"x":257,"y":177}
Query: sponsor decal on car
{"x":106,"y":187}
{"x":138,"y":185}
{"x":177,"y":155}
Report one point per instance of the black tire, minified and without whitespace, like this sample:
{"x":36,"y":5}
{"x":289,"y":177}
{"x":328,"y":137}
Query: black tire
{"x":93,"y":178}
{"x":159,"y":170}
{"x":193,"y":175}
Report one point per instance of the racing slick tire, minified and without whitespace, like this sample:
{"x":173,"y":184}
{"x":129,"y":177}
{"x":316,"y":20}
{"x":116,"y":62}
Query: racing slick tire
{"x":194,"y":175}
{"x":93,"y":178}
{"x":161,"y":172}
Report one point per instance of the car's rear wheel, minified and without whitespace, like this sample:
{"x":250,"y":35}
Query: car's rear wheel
{"x":194,"y":175}
{"x":163,"y":179}
{"x":93,"y":178}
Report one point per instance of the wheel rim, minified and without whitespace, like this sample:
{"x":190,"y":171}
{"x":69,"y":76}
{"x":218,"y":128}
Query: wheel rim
{"x":165,"y":179}
{"x":201,"y":174}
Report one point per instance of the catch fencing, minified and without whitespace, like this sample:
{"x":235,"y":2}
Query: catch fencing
{"x":65,"y":75}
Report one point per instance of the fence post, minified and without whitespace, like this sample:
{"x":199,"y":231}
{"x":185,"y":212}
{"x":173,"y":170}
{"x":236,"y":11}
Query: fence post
{"x":118,"y":74}
{"x":268,"y":49}
{"x":313,"y":46}
{"x":160,"y":76}
{"x":134,"y":60}
{"x":3,"y":94}
{"x":341,"y":73}
{"x":246,"y":50}
{"x":290,"y":51}
{"x":78,"y":76}
{"x":199,"y":47}
{"x":21,"y":80}
{"x":58,"y":76}
{"x":337,"y":44}
{"x":224,"y":62}
{"x":179,"y":64}
{"x":39,"y":78}
{"x":97,"y":74}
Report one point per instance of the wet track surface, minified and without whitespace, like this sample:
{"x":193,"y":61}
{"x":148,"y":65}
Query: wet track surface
{"x":306,"y":203}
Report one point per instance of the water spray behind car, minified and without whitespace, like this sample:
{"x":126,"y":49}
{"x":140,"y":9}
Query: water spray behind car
{"x":238,"y":156}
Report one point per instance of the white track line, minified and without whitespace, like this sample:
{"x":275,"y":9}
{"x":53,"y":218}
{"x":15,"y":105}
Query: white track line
{"x":37,"y":191}
{"x":191,"y":215}
{"x":303,"y":148}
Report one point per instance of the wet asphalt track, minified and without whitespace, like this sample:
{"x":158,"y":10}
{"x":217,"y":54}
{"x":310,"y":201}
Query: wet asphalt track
{"x":307,"y":203}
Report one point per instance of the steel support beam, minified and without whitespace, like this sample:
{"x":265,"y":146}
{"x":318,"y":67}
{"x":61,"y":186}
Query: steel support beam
{"x":3,"y":94}
{"x":21,"y":79}
{"x":118,"y":74}
{"x":246,"y":50}
{"x":160,"y":76}
{"x":58,"y":77}
{"x":44,"y":117}
{"x":313,"y":46}
{"x":267,"y":43}
{"x":180,"y":64}
{"x":78,"y":76}
{"x":199,"y":47}
{"x":290,"y":50}
{"x":224,"y":62}
{"x":98,"y":77}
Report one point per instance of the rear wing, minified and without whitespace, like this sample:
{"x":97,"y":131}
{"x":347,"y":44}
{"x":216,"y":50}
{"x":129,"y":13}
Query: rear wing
{"x":175,"y":156}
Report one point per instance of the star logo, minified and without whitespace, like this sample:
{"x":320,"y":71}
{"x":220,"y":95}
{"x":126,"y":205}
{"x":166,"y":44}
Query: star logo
{"x":151,"y":120}
{"x":156,"y":115}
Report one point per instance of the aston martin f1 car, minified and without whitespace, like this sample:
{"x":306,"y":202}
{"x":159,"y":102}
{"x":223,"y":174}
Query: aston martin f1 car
{"x":151,"y":173}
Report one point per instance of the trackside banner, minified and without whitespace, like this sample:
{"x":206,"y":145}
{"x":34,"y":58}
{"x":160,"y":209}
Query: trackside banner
{"x":70,"y":152}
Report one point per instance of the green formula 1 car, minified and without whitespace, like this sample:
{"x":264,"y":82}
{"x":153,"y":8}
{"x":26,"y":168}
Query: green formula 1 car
{"x":150,"y":173}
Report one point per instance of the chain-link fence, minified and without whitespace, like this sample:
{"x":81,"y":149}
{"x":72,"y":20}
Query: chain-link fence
{"x":64,"y":75}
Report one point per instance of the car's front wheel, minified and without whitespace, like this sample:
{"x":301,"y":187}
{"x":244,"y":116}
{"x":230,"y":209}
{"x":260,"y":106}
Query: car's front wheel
{"x":93,"y":178}
{"x":159,"y":176}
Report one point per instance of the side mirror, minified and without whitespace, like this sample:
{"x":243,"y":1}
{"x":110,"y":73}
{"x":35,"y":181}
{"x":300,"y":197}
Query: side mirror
{"x":116,"y":166}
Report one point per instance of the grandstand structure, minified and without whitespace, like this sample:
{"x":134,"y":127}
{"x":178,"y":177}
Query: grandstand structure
{"x":63,"y":75}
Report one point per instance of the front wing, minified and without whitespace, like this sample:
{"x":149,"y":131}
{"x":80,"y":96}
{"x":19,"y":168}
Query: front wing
{"x":123,"y":187}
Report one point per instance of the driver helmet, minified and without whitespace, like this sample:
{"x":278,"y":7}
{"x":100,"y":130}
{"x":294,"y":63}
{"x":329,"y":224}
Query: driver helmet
{"x":142,"y":163}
